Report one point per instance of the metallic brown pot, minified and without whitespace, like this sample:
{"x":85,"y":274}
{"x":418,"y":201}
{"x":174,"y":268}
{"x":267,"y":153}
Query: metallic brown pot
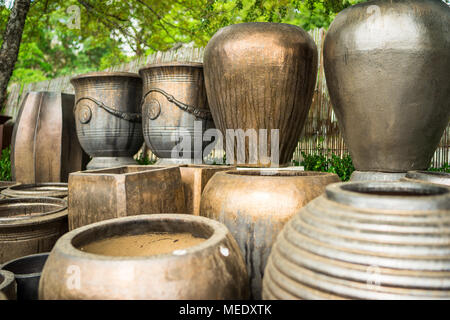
{"x":27,"y":272}
{"x":174,"y":97}
{"x":213,"y":269}
{"x":261,"y":76}
{"x":365,"y":240}
{"x":44,"y":143}
{"x":386,"y":64}
{"x":30,"y":225}
{"x":96,"y":195}
{"x":7,"y":285}
{"x":51,"y":190}
{"x":108,"y":117}
{"x":255,"y":206}
{"x":442,"y":178}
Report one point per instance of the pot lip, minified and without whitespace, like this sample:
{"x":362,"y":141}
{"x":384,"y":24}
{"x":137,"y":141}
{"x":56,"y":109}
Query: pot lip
{"x":105,"y":74}
{"x":442,"y":178}
{"x":289,"y":174}
{"x":191,"y":64}
{"x":341,"y":193}
{"x":8,"y":278}
{"x":20,"y":190}
{"x":98,"y":172}
{"x":219,"y":234}
{"x":39,"y":218}
{"x":27,"y":257}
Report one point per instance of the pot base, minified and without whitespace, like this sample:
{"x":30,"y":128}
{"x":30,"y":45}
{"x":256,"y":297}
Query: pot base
{"x":376,"y":176}
{"x":109,"y":162}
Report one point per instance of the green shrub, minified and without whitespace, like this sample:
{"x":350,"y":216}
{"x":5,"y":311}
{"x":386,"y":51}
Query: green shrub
{"x":444,"y":168}
{"x":144,"y":160}
{"x":5,"y":165}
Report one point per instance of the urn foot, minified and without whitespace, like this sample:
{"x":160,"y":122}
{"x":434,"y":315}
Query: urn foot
{"x":376,"y":176}
{"x":109,"y":162}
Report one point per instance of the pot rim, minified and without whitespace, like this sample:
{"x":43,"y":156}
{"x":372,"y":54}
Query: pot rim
{"x":436,"y":177}
{"x":279,"y":173}
{"x":363,"y":194}
{"x":219,"y":234}
{"x":100,"y":172}
{"x":27,"y":257}
{"x":20,"y":190}
{"x":191,"y":64}
{"x":39,"y":218}
{"x":105,"y":74}
{"x":8,"y":278}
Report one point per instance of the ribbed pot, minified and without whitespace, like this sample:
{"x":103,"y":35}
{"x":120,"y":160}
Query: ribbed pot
{"x":108,"y":117}
{"x":442,"y":178}
{"x":212,"y":269}
{"x":30,"y":225}
{"x":52,"y":190}
{"x":174,"y":98}
{"x":255,"y":206}
{"x":387,"y":68}
{"x":365,"y":240}
{"x":27,"y":272}
{"x":44,"y":145}
{"x":7,"y":285}
{"x":261,"y":75}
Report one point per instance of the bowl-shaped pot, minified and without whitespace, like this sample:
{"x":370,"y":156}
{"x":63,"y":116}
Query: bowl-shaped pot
{"x":52,"y":190}
{"x":212,"y":269}
{"x":255,"y":205}
{"x":365,"y":240}
{"x":387,"y":68}
{"x":108,"y":117}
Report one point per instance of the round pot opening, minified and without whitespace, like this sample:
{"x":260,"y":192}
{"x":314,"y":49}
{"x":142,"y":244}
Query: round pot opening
{"x":142,"y":238}
{"x":276,"y":173}
{"x":435,"y":173}
{"x":24,"y":208}
{"x":28,"y":266}
{"x":395,"y":189}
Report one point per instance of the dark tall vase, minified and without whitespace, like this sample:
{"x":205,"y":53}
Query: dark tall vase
{"x":387,"y":68}
{"x":261,"y":76}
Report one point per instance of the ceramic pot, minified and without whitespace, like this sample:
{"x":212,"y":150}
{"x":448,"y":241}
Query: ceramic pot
{"x":261,"y":75}
{"x":442,"y":178}
{"x":255,"y":205}
{"x":52,"y":190}
{"x":386,"y":65}
{"x":108,"y":117}
{"x":365,"y":240}
{"x":211,"y":269}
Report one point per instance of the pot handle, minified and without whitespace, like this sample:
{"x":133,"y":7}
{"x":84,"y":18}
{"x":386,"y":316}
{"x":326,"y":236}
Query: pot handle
{"x":198,"y":113}
{"x":128,"y":116}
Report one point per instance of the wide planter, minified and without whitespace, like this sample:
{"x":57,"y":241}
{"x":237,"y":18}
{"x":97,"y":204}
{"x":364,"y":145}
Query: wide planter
{"x":190,"y":257}
{"x":27,"y":272}
{"x":442,"y":178}
{"x":7,"y":285}
{"x":108,"y":117}
{"x":255,"y":206}
{"x":96,"y":195}
{"x":365,"y":240}
{"x":51,"y":190}
{"x":175,"y":111}
{"x":195,"y":178}
{"x":30,"y":225}
{"x":386,"y":65}
{"x":261,"y":75}
{"x":44,"y":144}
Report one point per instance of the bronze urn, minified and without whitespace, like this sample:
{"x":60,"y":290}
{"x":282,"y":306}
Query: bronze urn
{"x":108,"y":117}
{"x":387,"y":69}
{"x":175,"y":111}
{"x":261,"y":75}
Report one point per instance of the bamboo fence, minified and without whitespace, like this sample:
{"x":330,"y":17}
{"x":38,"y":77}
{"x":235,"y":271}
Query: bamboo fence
{"x":321,"y":128}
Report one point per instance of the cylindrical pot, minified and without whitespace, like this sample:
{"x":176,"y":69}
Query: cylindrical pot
{"x":175,"y":111}
{"x":44,"y":144}
{"x":27,"y":272}
{"x":52,"y":190}
{"x":387,"y":68}
{"x":81,"y":265}
{"x":261,"y":75}
{"x":108,"y":117}
{"x":7,"y":285}
{"x":255,"y":206}
{"x":442,"y":178}
{"x":30,"y":225}
{"x":365,"y":240}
